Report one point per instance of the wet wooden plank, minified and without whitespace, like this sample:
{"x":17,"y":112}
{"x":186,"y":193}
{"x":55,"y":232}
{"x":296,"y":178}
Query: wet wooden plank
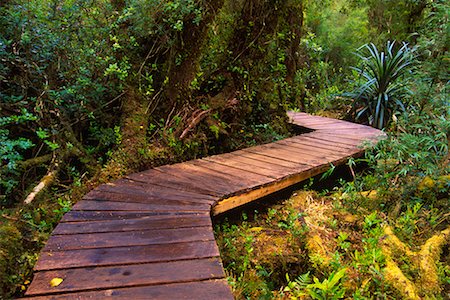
{"x":300,"y":118}
{"x":219,"y":182}
{"x":239,"y":178}
{"x":86,"y":205}
{"x":295,"y":166}
{"x":279,"y":170}
{"x":151,"y":191}
{"x":315,"y":151}
{"x":354,"y":142}
{"x":144,"y":223}
{"x":82,"y":216}
{"x":260,"y":167}
{"x":245,"y":177}
{"x":127,"y":238}
{"x":287,"y":155}
{"x":323,"y":146}
{"x":203,"y":290}
{"x":336,"y":126}
{"x":130,"y":197}
{"x":324,"y":143}
{"x":130,"y":275}
{"x":181,"y":183}
{"x":313,"y":157}
{"x":356,"y":134}
{"x":50,"y":260}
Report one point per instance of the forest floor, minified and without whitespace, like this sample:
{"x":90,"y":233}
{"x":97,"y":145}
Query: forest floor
{"x":330,"y":243}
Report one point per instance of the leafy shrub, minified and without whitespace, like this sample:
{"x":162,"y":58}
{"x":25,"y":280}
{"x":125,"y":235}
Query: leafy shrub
{"x":382,"y":90}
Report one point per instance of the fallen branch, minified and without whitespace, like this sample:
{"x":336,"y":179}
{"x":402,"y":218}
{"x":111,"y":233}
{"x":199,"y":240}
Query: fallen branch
{"x":35,"y":161}
{"x":194,"y":122}
{"x":45,"y":182}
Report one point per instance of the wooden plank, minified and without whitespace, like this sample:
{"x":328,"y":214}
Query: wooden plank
{"x":154,"y":191}
{"x":221,"y":183}
{"x":239,"y":165}
{"x":314,"y":151}
{"x":279,"y":170}
{"x":296,"y":166}
{"x":322,"y":146}
{"x":144,"y":223}
{"x":130,"y":275}
{"x":181,"y":183}
{"x":316,"y":124}
{"x":166,"y":252}
{"x":246,"y":177}
{"x":312,"y":156}
{"x":82,"y":216}
{"x":304,"y":117}
{"x":335,"y":138}
{"x":50,"y":260}
{"x":202,"y":290}
{"x":131,"y":197}
{"x":238,"y":177}
{"x":325,"y":143}
{"x":125,"y":238}
{"x":86,"y":205}
{"x":259,"y":167}
{"x":239,"y":200}
{"x":357,"y":134}
{"x":287,"y":155}
{"x":335,"y":126}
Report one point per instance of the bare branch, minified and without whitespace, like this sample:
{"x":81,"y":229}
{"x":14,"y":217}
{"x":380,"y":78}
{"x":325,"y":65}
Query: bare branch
{"x":197,"y":119}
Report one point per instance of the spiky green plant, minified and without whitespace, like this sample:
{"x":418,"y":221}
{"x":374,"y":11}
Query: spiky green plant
{"x":383,"y":88}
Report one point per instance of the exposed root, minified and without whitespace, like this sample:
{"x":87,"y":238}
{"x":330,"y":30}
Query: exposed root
{"x":395,"y":276}
{"x":319,"y":237}
{"x":425,"y":259}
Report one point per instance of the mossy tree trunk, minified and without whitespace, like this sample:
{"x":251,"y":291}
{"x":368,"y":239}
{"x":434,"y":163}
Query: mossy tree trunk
{"x":188,"y":49}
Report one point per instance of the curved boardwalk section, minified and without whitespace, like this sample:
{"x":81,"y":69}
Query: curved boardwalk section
{"x":150,"y":236}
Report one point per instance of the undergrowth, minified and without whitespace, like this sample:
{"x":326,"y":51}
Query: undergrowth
{"x":384,"y":234}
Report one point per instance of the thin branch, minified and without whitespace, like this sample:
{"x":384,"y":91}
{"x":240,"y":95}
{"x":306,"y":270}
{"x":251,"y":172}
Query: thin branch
{"x":197,"y":119}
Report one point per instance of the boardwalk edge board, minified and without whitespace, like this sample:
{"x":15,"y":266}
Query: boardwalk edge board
{"x":114,"y":242}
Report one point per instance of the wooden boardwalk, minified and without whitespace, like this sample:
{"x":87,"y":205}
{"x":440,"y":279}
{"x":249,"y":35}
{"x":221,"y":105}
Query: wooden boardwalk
{"x":150,"y":236}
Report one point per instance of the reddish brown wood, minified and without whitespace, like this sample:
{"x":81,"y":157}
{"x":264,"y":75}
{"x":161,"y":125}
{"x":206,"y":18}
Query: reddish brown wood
{"x":349,"y":141}
{"x":82,"y":216}
{"x":105,"y":240}
{"x":86,"y":205}
{"x":143,"y":223}
{"x":152,"y":191}
{"x":129,"y":275}
{"x":182,"y":183}
{"x":244,"y":163}
{"x":245,"y":177}
{"x":199,"y":176}
{"x":149,"y":235}
{"x":313,"y":151}
{"x":283,"y":153}
{"x":50,"y":260}
{"x":203,"y":290}
{"x":324,"y":143}
{"x":277,"y":161}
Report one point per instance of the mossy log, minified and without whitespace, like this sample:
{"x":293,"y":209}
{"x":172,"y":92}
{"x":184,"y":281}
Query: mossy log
{"x":424,"y":260}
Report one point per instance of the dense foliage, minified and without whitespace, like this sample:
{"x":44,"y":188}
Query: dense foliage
{"x":93,"y":89}
{"x":382,"y":91}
